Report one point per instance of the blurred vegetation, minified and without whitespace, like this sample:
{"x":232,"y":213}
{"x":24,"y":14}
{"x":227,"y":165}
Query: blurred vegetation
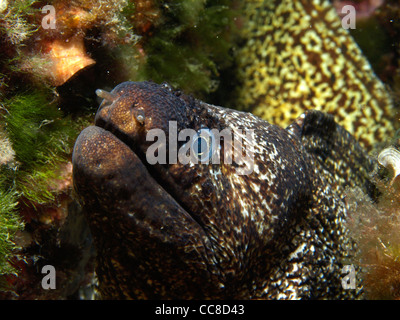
{"x":185,"y":42}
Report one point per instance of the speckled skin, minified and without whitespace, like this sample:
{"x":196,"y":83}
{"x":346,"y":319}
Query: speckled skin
{"x":203,"y":231}
{"x":297,"y":57}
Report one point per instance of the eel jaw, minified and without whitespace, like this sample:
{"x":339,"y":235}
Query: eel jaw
{"x":139,"y":228}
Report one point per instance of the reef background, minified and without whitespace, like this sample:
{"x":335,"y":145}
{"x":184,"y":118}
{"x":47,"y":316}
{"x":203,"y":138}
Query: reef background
{"x":48,"y":78}
{"x":50,"y":67}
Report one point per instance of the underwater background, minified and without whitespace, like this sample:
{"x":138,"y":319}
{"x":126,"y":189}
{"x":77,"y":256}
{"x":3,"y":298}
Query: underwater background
{"x":55,"y":54}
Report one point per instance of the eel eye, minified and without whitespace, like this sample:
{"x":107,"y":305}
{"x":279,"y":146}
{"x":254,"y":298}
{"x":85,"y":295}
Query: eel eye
{"x":203,"y":145}
{"x":139,"y":115}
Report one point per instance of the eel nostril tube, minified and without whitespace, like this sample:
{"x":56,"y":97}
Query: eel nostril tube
{"x":139,"y":115}
{"x":108,"y":96}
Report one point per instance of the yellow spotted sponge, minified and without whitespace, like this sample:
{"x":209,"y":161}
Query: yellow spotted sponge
{"x":298,"y":56}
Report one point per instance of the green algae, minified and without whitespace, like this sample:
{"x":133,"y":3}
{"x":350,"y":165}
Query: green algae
{"x":14,"y":22}
{"x":190,"y":47}
{"x":41,"y":138}
{"x":10,"y":222}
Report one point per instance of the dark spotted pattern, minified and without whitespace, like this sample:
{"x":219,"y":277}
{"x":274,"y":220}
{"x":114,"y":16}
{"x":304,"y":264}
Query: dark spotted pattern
{"x":203,"y":230}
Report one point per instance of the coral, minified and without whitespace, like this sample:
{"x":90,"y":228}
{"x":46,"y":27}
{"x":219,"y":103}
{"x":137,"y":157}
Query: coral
{"x":180,"y":42}
{"x":46,"y":52}
{"x":67,"y":59}
{"x":288,"y":67}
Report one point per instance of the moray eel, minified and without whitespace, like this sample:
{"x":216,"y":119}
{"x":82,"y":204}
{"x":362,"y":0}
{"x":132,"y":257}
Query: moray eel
{"x":195,"y":231}
{"x":297,"y":56}
{"x":203,"y":231}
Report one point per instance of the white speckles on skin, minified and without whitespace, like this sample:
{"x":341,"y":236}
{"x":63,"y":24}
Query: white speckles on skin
{"x":281,"y":296}
{"x":268,"y":176}
{"x":274,"y":154}
{"x":297,"y":252}
{"x":216,"y":174}
{"x":255,"y":186}
{"x":244,"y":211}
{"x":256,"y":169}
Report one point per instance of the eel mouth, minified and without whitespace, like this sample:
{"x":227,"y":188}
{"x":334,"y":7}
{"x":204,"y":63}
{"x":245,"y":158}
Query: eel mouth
{"x":157,"y":172}
{"x":132,"y":215}
{"x":110,"y":167}
{"x":102,"y":151}
{"x":107,"y":172}
{"x":132,"y":135}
